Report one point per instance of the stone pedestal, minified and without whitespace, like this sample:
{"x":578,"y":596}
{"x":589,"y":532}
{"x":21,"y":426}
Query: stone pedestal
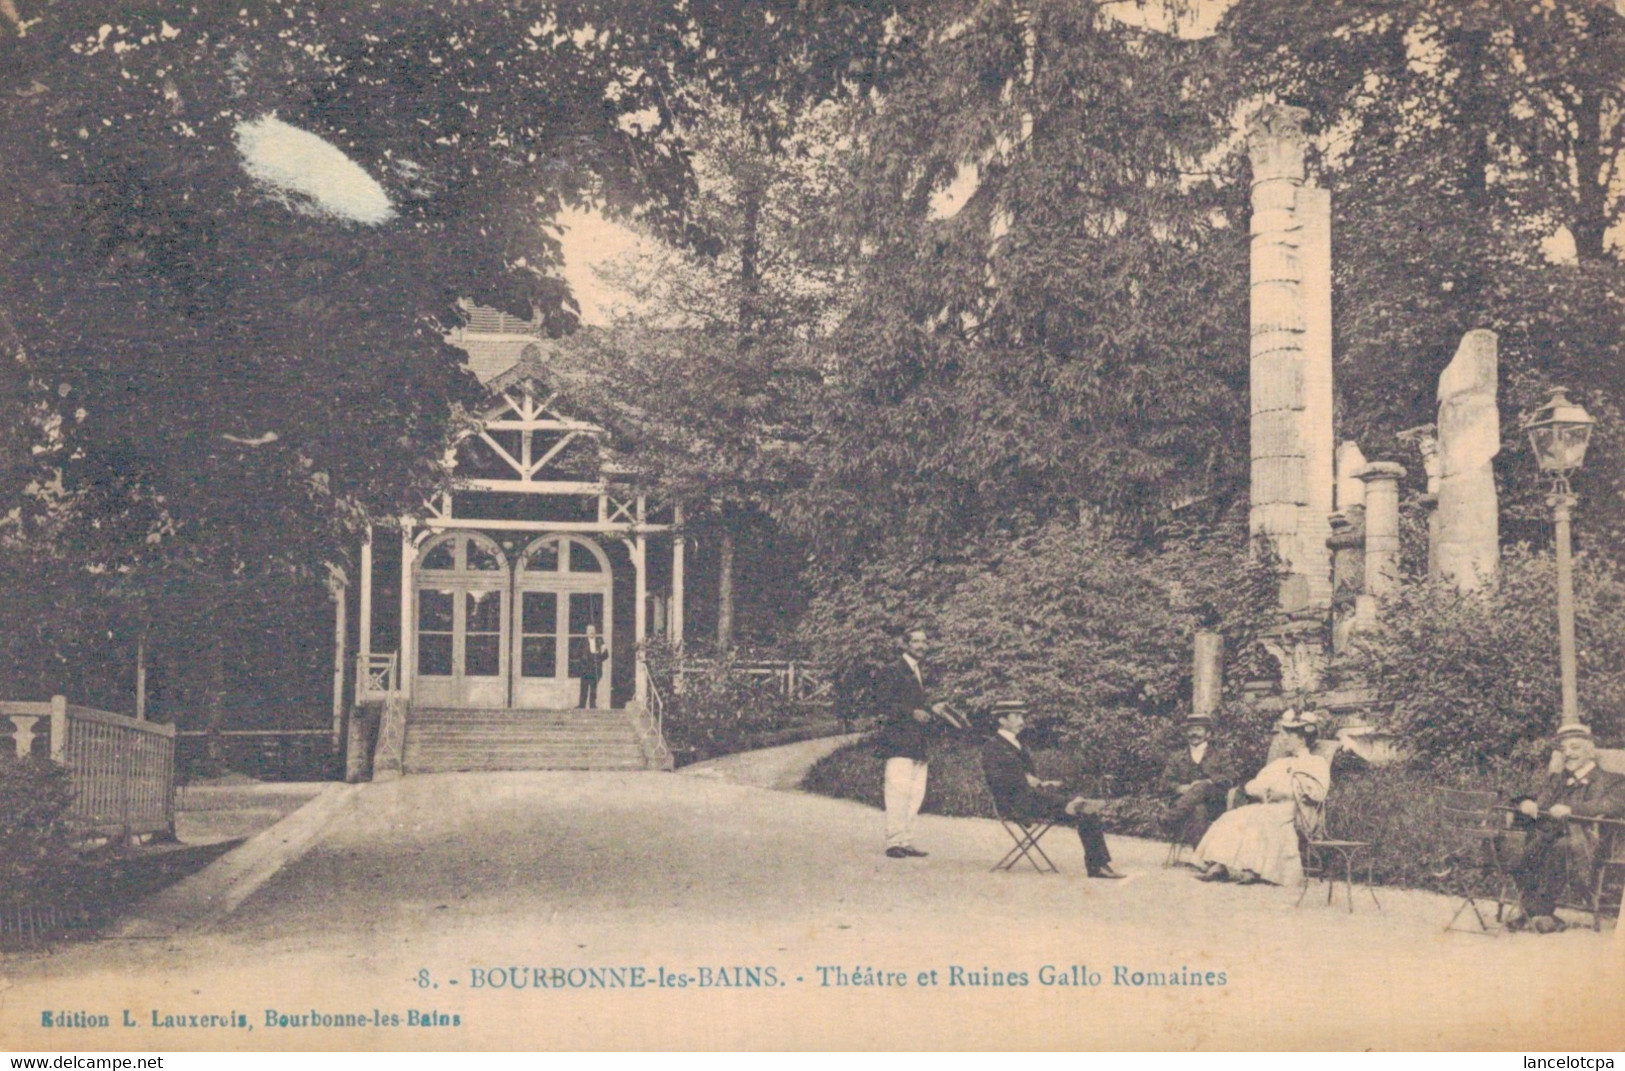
{"x":1381,"y":526}
{"x":391,"y":746}
{"x":358,"y":745}
{"x":1426,"y":440}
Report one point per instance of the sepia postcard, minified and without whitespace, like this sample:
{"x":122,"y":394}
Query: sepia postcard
{"x":438,"y":776}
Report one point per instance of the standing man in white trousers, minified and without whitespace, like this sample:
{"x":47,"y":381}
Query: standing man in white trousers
{"x":907,"y":716}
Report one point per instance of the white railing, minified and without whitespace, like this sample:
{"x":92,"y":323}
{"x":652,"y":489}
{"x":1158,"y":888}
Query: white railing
{"x":122,"y":770}
{"x":657,"y":705}
{"x":806,"y":683}
{"x":377,"y":677}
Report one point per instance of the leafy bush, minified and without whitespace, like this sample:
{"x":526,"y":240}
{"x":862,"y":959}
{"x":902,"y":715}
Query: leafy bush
{"x":719,"y":709}
{"x":36,"y":851}
{"x":1469,"y":677}
{"x":1093,"y":629}
{"x":1393,"y":808}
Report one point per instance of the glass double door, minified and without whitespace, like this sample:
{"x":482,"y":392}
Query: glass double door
{"x":551,"y":638}
{"x":493,"y":636}
{"x":462,"y":657}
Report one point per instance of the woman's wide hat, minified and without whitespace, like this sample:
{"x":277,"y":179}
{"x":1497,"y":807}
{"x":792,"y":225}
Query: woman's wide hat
{"x":1294,"y":722}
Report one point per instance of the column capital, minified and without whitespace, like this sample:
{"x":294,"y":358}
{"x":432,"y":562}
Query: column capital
{"x":1373,"y":471}
{"x":1276,"y":142}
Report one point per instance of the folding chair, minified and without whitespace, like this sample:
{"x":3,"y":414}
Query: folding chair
{"x":1469,"y":821}
{"x":1026,"y":834}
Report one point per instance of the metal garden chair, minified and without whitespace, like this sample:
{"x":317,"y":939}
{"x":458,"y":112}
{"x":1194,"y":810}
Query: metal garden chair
{"x":1470,"y":820}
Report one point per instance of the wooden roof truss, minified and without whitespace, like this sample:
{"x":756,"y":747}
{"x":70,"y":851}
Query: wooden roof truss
{"x":529,"y":431}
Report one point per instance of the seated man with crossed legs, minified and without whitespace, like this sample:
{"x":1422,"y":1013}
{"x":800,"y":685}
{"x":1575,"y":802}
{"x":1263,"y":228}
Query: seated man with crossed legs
{"x":1022,"y":796}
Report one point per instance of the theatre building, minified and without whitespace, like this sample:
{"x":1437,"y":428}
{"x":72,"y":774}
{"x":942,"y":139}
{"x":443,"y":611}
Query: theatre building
{"x":474,"y":617}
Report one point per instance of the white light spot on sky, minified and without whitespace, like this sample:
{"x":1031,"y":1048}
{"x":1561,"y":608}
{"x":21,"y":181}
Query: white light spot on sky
{"x":317,"y":177}
{"x":1558,"y":248}
{"x":591,"y":241}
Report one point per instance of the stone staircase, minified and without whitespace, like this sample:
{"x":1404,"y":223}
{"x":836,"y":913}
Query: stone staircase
{"x":441,"y":741}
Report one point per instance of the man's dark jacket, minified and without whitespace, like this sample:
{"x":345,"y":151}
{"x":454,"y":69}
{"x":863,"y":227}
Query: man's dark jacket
{"x":1006,"y":768}
{"x":1215,"y":766}
{"x":1601,"y":795}
{"x":897,"y":695}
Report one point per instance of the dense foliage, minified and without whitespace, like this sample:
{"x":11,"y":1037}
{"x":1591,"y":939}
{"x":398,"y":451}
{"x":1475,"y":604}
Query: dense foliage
{"x":713,"y":707}
{"x":1093,"y":629}
{"x":36,"y":848}
{"x":1469,"y":677}
{"x":1032,"y":216}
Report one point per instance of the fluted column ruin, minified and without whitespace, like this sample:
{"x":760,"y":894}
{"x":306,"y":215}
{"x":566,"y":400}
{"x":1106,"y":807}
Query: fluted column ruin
{"x":1291,"y":365}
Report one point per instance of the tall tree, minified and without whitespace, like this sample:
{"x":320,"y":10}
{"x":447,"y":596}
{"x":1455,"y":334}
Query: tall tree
{"x":711,"y":377}
{"x":1050,"y":316}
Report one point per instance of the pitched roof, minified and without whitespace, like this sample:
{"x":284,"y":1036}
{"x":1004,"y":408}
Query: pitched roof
{"x":496,"y":341}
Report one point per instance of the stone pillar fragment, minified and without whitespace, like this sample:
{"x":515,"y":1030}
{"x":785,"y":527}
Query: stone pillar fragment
{"x":1349,"y":460}
{"x":1381,"y":526}
{"x":1347,"y":543}
{"x":1469,"y":543}
{"x":1290,"y":370}
{"x":1208,"y":677}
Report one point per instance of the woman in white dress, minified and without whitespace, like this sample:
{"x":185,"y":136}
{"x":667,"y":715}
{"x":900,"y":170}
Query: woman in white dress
{"x":1259,"y":842}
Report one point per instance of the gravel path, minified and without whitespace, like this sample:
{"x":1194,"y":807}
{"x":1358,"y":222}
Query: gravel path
{"x":475,"y":877}
{"x":780,"y":768}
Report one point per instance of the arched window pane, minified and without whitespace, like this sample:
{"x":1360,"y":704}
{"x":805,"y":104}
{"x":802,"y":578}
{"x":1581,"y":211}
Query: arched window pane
{"x":482,"y":558}
{"x":582,"y":559}
{"x":544,"y":558}
{"x":440,"y":557}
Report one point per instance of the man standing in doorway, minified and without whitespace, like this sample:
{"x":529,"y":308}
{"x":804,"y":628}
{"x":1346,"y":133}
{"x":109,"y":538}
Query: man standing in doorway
{"x":907,"y":717}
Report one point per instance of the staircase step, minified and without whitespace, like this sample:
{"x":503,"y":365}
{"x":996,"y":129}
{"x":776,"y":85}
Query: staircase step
{"x":443,"y":740}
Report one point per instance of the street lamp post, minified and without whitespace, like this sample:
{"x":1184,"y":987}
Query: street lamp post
{"x":1560,"y":432}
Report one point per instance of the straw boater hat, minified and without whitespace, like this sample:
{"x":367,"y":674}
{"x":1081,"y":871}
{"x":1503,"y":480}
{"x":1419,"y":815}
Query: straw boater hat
{"x":1294,"y":722}
{"x":1573,"y":728}
{"x":1009,"y":706}
{"x":1199,"y":719}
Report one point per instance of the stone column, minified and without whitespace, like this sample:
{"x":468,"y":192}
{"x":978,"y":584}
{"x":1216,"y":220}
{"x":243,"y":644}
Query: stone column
{"x":1468,"y":550}
{"x":1290,"y":371}
{"x":1315,"y":423}
{"x":1381,"y":526}
{"x":1208,"y":676}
